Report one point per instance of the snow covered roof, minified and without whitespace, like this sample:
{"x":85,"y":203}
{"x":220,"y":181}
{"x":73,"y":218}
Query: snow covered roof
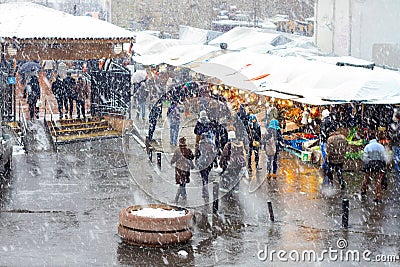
{"x":315,"y":81}
{"x":240,"y":38}
{"x":25,"y":20}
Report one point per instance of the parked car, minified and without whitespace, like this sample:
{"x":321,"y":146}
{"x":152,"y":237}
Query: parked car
{"x":6,"y":148}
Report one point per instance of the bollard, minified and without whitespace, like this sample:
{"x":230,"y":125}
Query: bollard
{"x":271,"y":212}
{"x":215,"y":197}
{"x":151,"y":154}
{"x":127,"y":137}
{"x":345,"y":215}
{"x":158,"y":159}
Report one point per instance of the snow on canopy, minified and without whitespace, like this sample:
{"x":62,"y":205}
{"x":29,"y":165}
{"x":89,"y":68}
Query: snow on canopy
{"x":25,"y":20}
{"x":240,"y":38}
{"x":305,"y":80}
{"x":147,"y":44}
{"x":176,"y":55}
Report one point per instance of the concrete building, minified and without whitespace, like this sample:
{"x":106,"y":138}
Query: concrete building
{"x":366,"y":29}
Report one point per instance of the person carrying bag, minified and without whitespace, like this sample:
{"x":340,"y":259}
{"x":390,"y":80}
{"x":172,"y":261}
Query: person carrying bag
{"x":255,"y":135}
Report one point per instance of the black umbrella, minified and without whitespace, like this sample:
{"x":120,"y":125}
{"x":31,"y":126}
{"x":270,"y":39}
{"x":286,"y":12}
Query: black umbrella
{"x":29,"y":67}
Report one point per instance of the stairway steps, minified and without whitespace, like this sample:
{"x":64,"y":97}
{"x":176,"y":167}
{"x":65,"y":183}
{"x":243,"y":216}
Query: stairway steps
{"x":75,"y":131}
{"x":63,"y":139}
{"x":78,"y":130}
{"x":89,"y":124}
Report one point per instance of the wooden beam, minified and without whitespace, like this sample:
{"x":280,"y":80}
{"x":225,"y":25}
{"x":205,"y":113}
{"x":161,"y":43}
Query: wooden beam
{"x":65,"y":49}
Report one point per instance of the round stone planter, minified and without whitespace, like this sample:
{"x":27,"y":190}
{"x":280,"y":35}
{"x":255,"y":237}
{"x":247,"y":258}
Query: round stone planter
{"x":154,"y":231}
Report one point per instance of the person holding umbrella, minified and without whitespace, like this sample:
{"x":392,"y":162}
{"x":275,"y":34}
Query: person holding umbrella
{"x":32,"y":90}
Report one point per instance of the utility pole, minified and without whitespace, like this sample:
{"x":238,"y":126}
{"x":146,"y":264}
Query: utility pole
{"x":255,"y":7}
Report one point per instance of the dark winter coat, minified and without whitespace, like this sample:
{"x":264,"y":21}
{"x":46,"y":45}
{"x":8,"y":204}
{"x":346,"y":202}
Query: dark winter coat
{"x":81,"y":90}
{"x":203,"y":125}
{"x":336,"y":148}
{"x":205,"y":154}
{"x":327,"y":127}
{"x":254,"y":133}
{"x":221,"y":136}
{"x":394,"y":133}
{"x":233,"y":157}
{"x":155,"y":111}
{"x":57,"y":88}
{"x":33,"y":90}
{"x":243,"y":116}
{"x":142,"y":93}
{"x":182,"y":159}
{"x":174,"y":113}
{"x":69,"y":85}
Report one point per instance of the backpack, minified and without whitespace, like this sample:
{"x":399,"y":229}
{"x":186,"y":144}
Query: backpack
{"x":270,"y":146}
{"x":236,"y":159}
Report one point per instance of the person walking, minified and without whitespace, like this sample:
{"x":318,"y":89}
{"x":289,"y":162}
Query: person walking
{"x":273,"y":145}
{"x":174,"y":119}
{"x":221,"y":136}
{"x":394,"y":133}
{"x":336,"y":154}
{"x":48,"y":67}
{"x":58,"y":90}
{"x":205,"y":155}
{"x":155,"y":113}
{"x":327,"y":127}
{"x":232,"y":162}
{"x":70,"y":96}
{"x":203,"y":125}
{"x":32,"y":91}
{"x":183,"y":160}
{"x":82,"y":93}
{"x":270,"y":113}
{"x":254,"y":132}
{"x":374,"y":168}
{"x":141,"y":99}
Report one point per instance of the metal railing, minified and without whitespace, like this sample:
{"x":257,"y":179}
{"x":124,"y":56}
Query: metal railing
{"x":22,"y":124}
{"x":104,"y":109}
{"x":50,"y":128}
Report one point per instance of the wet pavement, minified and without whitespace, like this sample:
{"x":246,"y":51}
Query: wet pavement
{"x":61,"y":209}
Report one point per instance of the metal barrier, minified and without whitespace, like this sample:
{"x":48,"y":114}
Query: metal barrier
{"x":23,"y":124}
{"x":102,"y":110}
{"x":52,"y":123}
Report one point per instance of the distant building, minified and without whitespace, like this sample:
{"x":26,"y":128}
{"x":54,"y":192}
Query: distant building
{"x":366,"y":29}
{"x":167,"y":15}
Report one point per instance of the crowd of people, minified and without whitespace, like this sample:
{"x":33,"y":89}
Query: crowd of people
{"x":64,"y":86}
{"x":238,"y":153}
{"x":68,"y":91}
{"x":231,"y":148}
{"x":233,"y":144}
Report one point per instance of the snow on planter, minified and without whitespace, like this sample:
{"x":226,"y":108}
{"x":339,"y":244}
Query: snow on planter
{"x":158,"y":213}
{"x":155,"y":224}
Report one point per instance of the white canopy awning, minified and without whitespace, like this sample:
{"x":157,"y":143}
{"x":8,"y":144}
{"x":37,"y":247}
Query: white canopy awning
{"x":240,"y":38}
{"x":309,"y":81}
{"x":176,"y":55}
{"x":24,"y":20}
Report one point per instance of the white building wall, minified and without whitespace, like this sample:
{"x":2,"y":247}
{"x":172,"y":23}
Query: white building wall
{"x":352,"y":27}
{"x":341,"y":28}
{"x":324,"y":25}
